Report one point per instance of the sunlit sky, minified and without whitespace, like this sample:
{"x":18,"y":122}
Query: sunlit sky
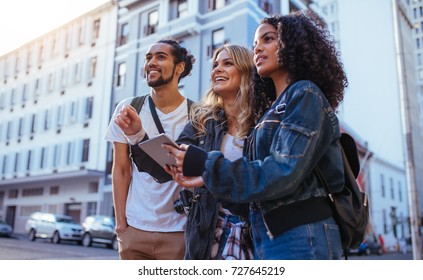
{"x":24,"y":20}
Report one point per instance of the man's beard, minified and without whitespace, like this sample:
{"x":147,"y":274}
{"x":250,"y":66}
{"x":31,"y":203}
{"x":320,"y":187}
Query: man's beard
{"x":161,"y":81}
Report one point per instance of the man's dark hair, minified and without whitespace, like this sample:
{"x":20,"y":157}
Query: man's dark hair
{"x":180,"y":54}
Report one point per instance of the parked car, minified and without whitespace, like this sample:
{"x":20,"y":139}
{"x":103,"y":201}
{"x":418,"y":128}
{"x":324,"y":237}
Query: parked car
{"x":5,"y":229}
{"x":99,"y":229}
{"x":57,"y":227}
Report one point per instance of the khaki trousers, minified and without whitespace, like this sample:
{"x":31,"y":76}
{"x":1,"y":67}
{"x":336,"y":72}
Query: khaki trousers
{"x":135,"y":244}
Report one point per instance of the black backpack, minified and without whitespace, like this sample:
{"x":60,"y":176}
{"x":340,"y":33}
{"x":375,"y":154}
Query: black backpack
{"x":350,"y":205}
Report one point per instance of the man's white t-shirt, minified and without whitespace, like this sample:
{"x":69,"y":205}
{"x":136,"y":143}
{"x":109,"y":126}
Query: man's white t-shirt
{"x":149,"y":205}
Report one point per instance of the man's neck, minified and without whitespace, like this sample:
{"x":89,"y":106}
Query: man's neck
{"x":166,"y":99}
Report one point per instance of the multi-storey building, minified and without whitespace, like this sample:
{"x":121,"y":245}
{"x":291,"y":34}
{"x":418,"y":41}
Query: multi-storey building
{"x":54,"y":102}
{"x":417,"y":102}
{"x":381,"y":73}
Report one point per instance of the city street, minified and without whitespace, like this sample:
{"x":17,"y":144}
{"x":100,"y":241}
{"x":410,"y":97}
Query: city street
{"x":18,"y":247}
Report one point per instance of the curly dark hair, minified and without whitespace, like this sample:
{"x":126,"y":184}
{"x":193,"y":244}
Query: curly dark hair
{"x":181,"y":55}
{"x":264,"y":94}
{"x":307,"y":52}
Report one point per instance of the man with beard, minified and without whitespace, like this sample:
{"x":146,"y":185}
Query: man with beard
{"x":147,"y":225}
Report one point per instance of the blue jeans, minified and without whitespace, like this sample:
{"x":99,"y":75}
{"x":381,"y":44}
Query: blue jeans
{"x":316,"y":241}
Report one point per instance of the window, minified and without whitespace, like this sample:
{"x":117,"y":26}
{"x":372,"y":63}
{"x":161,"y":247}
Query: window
{"x":32,"y":192}
{"x":182,"y":8}
{"x":50,"y":82}
{"x":52,"y":209}
{"x":13,"y":193}
{"x":63,"y":80}
{"x":9,"y":130}
{"x":89,"y":108}
{"x":216,"y":4}
{"x":47,"y":120}
{"x":17,"y":161}
{"x":13,"y":98}
{"x":85,"y":150}
{"x":4,"y":167}
{"x":1,"y":199}
{"x":24,"y":95}
{"x":60,"y":116}
{"x":37,"y":90}
{"x":218,"y":40}
{"x":21,"y":127}
{"x":28,"y":61}
{"x":124,"y":34}
{"x":91,"y":208}
{"x":96,"y":30}
{"x":54,"y":190}
{"x":385,"y":225}
{"x":382,"y":185}
{"x":266,"y":6}
{"x":56,"y":156}
{"x":391,"y":183}
{"x":68,"y":43}
{"x":17,"y":66}
{"x":92,"y":70}
{"x":43,"y":161}
{"x":28,"y":210}
{"x":54,"y":46}
{"x":2,"y":100}
{"x":399,"y":191}
{"x":73,"y":111}
{"x":69,"y":157}
{"x":81,"y":35}
{"x":93,"y":187}
{"x":40,"y":56}
{"x":153,"y":21}
{"x":77,"y":73}
{"x":33,"y":123}
{"x":29,"y":161}
{"x":121,"y":74}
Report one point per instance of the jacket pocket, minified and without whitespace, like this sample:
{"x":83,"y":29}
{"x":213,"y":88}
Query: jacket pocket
{"x":293,"y":141}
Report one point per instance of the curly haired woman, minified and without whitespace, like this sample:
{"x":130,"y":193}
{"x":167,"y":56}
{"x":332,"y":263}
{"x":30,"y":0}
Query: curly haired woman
{"x":289,"y":210}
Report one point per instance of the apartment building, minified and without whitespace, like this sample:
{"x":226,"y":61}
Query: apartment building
{"x":417,"y":21}
{"x":55,"y":94}
{"x":375,"y":39}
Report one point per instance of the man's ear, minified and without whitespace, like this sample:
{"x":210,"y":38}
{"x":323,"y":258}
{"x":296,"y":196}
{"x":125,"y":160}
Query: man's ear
{"x":180,"y":68}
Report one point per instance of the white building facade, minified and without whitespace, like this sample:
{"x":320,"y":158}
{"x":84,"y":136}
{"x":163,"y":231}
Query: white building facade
{"x":54,"y":102}
{"x":376,"y":44}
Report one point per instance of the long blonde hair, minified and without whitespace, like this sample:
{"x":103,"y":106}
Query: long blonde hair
{"x":211,"y":103}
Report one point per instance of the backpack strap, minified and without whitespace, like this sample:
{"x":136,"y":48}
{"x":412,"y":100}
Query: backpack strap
{"x":155,"y":116}
{"x":138,"y":101}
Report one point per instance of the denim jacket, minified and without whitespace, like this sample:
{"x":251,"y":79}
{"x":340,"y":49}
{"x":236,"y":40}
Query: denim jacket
{"x":204,"y":212}
{"x":299,"y":132}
